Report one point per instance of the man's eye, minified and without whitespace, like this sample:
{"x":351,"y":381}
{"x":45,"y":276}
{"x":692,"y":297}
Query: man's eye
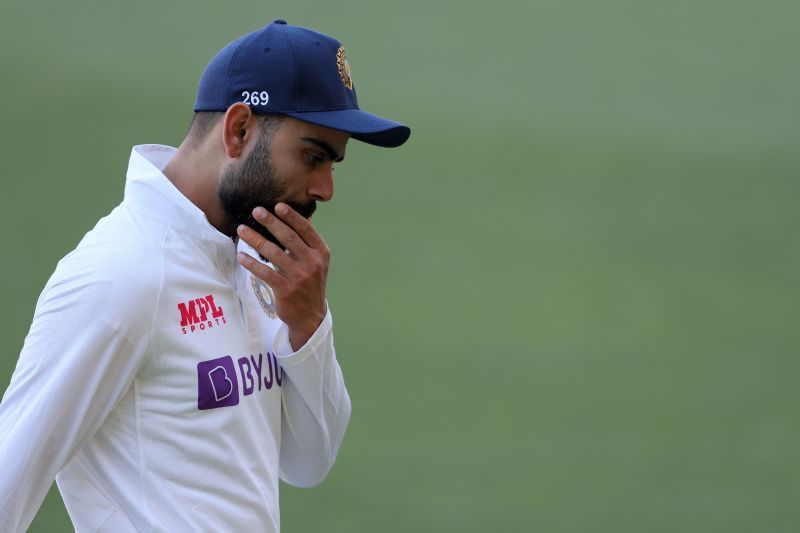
{"x":315,"y":159}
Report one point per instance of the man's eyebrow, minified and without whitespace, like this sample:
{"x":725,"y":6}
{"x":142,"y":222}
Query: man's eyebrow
{"x":319,"y":143}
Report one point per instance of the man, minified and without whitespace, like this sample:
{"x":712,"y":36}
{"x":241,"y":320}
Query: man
{"x":180,"y":361}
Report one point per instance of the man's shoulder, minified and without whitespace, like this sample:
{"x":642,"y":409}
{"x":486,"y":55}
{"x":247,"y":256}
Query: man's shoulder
{"x":121,"y":246}
{"x":119,"y":262}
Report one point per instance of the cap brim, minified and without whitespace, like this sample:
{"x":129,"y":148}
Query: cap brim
{"x":361,"y":126}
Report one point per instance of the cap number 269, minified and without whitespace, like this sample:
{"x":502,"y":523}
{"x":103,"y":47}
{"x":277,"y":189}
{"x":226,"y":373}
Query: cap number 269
{"x":255,"y":98}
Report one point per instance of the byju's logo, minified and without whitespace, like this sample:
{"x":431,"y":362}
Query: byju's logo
{"x":218,"y":381}
{"x":200,"y":314}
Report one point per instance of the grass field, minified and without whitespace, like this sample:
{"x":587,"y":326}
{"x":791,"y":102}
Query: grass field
{"x":569,"y":304}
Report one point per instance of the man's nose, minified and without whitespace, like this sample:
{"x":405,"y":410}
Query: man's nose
{"x":321,"y":186}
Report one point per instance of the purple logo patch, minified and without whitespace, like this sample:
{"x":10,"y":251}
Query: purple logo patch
{"x":217,"y":384}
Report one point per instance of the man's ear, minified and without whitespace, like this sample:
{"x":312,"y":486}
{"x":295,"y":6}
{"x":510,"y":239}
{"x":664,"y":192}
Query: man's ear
{"x":238,"y":127}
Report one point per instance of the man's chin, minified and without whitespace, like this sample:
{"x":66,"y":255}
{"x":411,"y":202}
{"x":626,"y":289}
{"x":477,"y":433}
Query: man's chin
{"x":245,"y":217}
{"x":305,"y":210}
{"x":264,"y":232}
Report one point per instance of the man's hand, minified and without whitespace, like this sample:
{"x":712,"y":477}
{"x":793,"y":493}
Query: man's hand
{"x":302,"y":272}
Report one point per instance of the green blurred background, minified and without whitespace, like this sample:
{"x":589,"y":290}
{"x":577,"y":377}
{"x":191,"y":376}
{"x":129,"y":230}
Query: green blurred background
{"x":569,"y":304}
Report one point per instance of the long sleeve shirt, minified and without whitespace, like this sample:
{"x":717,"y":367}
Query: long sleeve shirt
{"x":158,"y":386}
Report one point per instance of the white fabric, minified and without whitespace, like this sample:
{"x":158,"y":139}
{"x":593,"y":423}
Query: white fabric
{"x":154,"y":426}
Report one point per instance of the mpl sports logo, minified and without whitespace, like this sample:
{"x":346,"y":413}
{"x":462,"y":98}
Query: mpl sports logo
{"x":218,"y":380}
{"x":200,"y":314}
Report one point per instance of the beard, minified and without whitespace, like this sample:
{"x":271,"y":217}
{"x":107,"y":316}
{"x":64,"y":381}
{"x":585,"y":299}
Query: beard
{"x":254,"y":183}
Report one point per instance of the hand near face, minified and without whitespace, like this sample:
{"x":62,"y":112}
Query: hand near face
{"x":302,"y":273}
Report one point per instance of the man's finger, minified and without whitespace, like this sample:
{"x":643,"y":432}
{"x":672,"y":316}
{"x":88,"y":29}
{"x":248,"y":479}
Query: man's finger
{"x":271,"y":277}
{"x":269,"y":250}
{"x":286,"y":235}
{"x":301,"y":225}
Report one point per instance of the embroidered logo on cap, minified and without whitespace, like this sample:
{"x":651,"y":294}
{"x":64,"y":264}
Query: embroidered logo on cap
{"x":344,"y":68}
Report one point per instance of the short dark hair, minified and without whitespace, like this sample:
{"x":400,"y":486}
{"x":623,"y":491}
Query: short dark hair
{"x":204,"y":121}
{"x":201,"y":124}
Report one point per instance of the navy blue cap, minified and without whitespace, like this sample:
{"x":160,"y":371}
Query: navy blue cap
{"x":294,"y":71}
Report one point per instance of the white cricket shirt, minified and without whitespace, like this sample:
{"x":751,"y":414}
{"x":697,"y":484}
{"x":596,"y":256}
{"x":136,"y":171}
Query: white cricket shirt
{"x":157,"y":383}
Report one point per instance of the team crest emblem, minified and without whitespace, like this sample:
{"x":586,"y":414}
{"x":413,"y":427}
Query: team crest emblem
{"x":344,"y":68}
{"x":264,"y":296}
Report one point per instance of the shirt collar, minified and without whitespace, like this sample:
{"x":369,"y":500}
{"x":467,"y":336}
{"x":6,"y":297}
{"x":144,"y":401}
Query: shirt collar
{"x":149,"y":191}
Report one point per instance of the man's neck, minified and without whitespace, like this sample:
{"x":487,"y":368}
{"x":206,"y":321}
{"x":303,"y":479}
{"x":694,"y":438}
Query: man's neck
{"x":196,"y":176}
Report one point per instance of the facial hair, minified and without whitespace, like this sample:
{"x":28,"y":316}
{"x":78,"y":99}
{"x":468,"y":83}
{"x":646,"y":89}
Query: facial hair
{"x":254,"y":183}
